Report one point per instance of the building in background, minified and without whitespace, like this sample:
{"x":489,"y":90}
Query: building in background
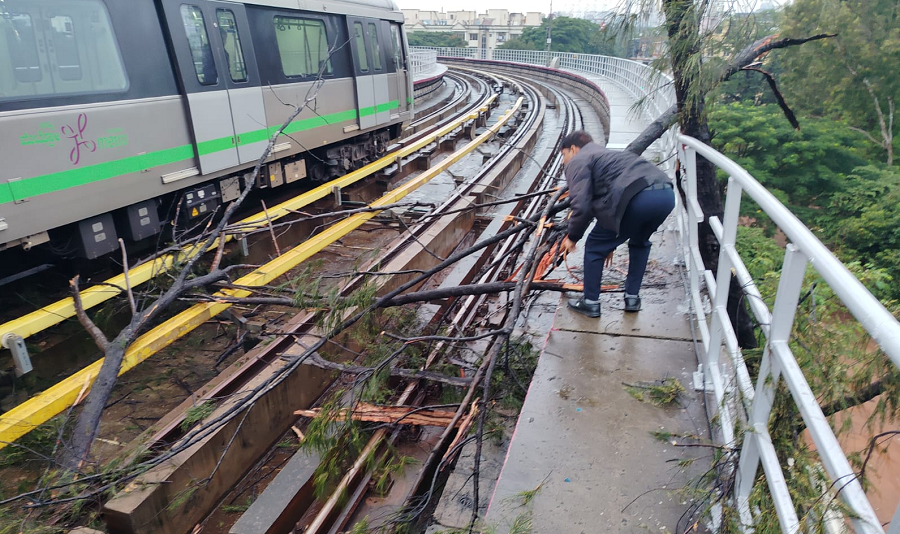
{"x":486,"y":30}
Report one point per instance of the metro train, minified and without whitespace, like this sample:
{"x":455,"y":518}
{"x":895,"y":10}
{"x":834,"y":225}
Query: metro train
{"x":117,"y":114}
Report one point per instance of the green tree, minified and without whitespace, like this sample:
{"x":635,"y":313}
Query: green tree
{"x":443,"y":39}
{"x":824,"y":176}
{"x":853,"y":76}
{"x":808,"y":165}
{"x":568,"y":35}
{"x":863,"y":223}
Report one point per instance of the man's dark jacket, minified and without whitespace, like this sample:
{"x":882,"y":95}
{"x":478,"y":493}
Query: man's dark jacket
{"x":601,"y":184}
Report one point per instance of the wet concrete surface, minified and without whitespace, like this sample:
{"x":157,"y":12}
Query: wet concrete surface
{"x":584,"y":440}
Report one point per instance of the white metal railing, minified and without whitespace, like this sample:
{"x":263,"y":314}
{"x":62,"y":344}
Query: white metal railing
{"x":753,"y":402}
{"x":422,"y":61}
{"x":653,"y":88}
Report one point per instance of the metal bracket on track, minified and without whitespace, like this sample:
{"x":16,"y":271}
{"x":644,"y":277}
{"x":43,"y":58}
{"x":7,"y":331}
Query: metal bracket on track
{"x":16,"y":345}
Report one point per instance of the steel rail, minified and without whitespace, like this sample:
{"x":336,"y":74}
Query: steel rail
{"x":322,"y":523}
{"x":463,"y":316}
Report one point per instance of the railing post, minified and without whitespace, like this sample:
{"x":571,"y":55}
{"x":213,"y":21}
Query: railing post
{"x":723,"y":277}
{"x":786,"y":298}
{"x":690,"y":167}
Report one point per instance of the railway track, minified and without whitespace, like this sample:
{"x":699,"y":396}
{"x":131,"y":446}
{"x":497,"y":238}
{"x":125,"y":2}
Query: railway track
{"x":493,"y":265}
{"x":262,"y":370}
{"x":468,"y":106}
{"x":330,"y":516}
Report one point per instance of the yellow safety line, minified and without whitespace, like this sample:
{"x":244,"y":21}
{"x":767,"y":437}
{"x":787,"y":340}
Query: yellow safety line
{"x":59,"y":311}
{"x":40,"y":408}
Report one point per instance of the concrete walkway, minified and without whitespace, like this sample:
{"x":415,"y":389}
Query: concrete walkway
{"x":582,"y":438}
{"x":624,"y":124}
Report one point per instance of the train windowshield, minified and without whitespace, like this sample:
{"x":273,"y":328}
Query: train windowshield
{"x":198,"y":42}
{"x":53,"y":47}
{"x":360,"y":46}
{"x":231,"y":39}
{"x":302,"y":46}
{"x":375,"y":46}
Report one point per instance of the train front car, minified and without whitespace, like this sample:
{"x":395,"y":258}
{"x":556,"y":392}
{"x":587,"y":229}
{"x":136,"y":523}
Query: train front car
{"x":113,"y":112}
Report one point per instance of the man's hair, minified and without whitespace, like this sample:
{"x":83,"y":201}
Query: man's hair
{"x":579,"y":139}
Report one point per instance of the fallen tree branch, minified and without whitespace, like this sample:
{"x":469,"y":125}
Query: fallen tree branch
{"x":856,"y":398}
{"x":409,"y":298}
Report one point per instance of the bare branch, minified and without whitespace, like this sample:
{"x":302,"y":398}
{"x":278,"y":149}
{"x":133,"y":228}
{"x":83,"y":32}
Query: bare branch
{"x":127,"y":280}
{"x":788,"y":113}
{"x":97,"y":334}
{"x":865,"y":133}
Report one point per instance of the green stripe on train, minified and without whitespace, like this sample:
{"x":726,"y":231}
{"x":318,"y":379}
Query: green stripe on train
{"x":371,"y":110}
{"x":58,"y":181}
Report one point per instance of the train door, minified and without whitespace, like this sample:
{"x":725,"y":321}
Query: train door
{"x":372,"y":93}
{"x":245,"y":95}
{"x":217,"y":67}
{"x":399,"y":58}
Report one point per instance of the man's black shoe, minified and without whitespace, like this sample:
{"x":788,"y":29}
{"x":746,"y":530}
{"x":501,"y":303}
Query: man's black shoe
{"x":584,"y":308}
{"x":632,"y":304}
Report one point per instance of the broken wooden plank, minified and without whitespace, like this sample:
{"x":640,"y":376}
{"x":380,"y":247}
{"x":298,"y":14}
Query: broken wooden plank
{"x":407,"y":415}
{"x":463,"y":425}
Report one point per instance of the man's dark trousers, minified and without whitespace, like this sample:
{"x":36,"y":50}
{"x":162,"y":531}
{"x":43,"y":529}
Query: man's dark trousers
{"x":646,"y":211}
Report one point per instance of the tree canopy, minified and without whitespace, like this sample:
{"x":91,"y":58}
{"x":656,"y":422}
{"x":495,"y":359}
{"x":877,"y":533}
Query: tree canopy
{"x":448,"y":39}
{"x":568,"y":35}
{"x":854,"y":76}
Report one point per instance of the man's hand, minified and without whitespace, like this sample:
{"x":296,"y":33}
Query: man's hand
{"x":568,"y":245}
{"x":608,"y":263}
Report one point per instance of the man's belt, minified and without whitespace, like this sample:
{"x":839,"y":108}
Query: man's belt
{"x":665,"y":185}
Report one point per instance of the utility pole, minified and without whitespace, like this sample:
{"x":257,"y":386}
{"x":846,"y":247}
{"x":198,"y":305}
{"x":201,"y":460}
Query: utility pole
{"x":550,"y":27}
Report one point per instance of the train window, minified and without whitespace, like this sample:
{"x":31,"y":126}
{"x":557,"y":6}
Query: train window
{"x":375,"y":46}
{"x":198,"y":41}
{"x":360,"y":46}
{"x":62,"y":30}
{"x":303,"y":46}
{"x":23,"y":52}
{"x":53,"y":47}
{"x":232,"y":41}
{"x":398,"y":46}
